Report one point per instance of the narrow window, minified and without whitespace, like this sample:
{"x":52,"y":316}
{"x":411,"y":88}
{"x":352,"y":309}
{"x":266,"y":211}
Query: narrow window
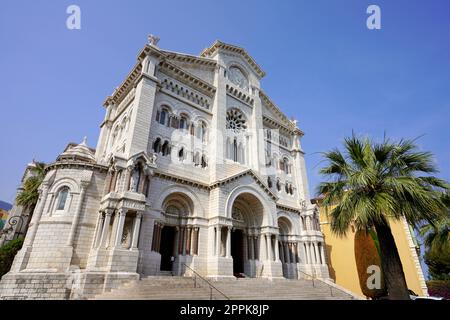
{"x":62,"y":198}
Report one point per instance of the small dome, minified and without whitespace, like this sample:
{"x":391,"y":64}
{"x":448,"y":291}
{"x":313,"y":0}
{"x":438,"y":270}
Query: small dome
{"x":79,"y":152}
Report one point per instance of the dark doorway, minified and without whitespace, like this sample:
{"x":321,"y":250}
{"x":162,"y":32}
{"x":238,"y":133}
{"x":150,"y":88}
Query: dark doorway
{"x":167,"y":245}
{"x":237,"y":252}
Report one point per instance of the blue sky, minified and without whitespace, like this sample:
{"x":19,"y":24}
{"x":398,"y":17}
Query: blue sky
{"x":324,"y":67}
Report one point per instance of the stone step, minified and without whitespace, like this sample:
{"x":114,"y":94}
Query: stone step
{"x":180,"y":288}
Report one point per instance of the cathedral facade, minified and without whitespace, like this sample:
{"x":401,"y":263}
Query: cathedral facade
{"x":195,"y":169}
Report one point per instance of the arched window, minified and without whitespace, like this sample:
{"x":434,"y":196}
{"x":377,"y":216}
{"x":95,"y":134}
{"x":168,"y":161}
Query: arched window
{"x":157,"y":145}
{"x":268,"y":159}
{"x":291,"y":190}
{"x":269,"y":182}
{"x":285,"y":165}
{"x":165,"y":149}
{"x":203,"y":131}
{"x":183,"y":124}
{"x":204,"y":163}
{"x":196,"y":159}
{"x":192,"y":129}
{"x":163,"y":116}
{"x":62,"y":198}
{"x":278,"y":185}
{"x":181,"y":154}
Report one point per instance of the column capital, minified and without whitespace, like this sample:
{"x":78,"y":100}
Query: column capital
{"x":139,"y":214}
{"x":109,"y":212}
{"x":123,"y":212}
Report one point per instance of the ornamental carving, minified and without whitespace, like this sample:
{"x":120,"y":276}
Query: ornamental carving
{"x":236,"y":121}
{"x":237,"y":214}
{"x":238,"y":78}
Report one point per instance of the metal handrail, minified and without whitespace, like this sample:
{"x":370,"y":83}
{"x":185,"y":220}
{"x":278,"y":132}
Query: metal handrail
{"x":313,"y":276}
{"x":211,"y":287}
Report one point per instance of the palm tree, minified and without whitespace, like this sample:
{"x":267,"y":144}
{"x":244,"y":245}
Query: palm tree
{"x":436,"y":237}
{"x":29,"y":195}
{"x":374,"y":183}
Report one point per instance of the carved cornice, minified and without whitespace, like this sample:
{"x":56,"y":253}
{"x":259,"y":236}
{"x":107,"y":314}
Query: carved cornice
{"x":217,"y":184}
{"x":217,"y":45}
{"x":288,"y":125}
{"x":186,"y":58}
{"x":187,"y":78}
{"x":125,"y":87}
{"x":251,"y":173}
{"x":68,"y":164}
{"x":178,"y":179}
{"x":239,"y":95}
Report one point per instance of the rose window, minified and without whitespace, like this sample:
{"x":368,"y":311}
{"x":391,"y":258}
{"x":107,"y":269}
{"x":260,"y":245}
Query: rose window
{"x":236,"y":121}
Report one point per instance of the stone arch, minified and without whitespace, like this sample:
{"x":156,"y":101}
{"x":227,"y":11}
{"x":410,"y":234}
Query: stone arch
{"x":285,"y":225}
{"x":197,"y":209}
{"x":267,"y":216}
{"x":241,"y":67}
{"x":65,"y":181}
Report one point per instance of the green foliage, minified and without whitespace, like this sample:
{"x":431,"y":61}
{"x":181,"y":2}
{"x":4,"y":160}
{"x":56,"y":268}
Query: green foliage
{"x":439,"y":288}
{"x":7,"y":254}
{"x":436,"y":236}
{"x":30,"y":193}
{"x":374,"y":182}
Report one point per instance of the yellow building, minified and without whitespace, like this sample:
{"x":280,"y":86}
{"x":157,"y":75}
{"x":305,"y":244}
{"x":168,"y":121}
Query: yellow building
{"x":340,"y":252}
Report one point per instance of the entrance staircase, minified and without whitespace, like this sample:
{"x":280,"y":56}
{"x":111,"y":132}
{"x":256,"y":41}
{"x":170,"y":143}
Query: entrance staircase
{"x":195,"y":288}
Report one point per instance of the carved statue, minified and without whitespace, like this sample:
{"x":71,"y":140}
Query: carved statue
{"x":153,"y":40}
{"x":134,"y":179}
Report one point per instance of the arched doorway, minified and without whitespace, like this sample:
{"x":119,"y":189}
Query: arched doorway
{"x":176,"y":238}
{"x":287,"y":248}
{"x":247,"y":216}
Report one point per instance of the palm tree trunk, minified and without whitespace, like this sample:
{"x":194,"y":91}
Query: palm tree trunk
{"x":391,"y":264}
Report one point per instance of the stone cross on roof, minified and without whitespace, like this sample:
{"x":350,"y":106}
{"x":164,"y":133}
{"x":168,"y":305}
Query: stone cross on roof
{"x":153,"y":40}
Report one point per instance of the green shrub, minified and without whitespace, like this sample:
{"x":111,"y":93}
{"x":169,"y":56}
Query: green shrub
{"x":7,"y":254}
{"x":439,"y":288}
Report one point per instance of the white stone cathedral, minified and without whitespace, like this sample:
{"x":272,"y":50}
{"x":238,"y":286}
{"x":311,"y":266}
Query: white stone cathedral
{"x":195,"y":169}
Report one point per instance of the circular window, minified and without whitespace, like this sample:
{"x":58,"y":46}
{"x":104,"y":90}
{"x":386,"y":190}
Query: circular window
{"x":236,"y":121}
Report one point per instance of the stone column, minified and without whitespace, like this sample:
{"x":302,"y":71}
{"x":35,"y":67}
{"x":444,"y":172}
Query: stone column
{"x":37,"y":215}
{"x":228,"y":248}
{"x":256,"y":248}
{"x":188,"y":240}
{"x":98,"y":232}
{"x":161,"y":226}
{"x":176,"y":241}
{"x":192,"y":246}
{"x":287,"y":253}
{"x":283,"y":257}
{"x":252,"y":247}
{"x":316,"y":250}
{"x":76,"y":217}
{"x":322,"y":252}
{"x":120,"y":224}
{"x":276,"y":248}
{"x":269,"y":247}
{"x":196,"y":240}
{"x":184,"y":241}
{"x":136,"y":230}
{"x":218,"y":240}
{"x":105,"y":231}
{"x":308,"y":253}
{"x":155,"y":225}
